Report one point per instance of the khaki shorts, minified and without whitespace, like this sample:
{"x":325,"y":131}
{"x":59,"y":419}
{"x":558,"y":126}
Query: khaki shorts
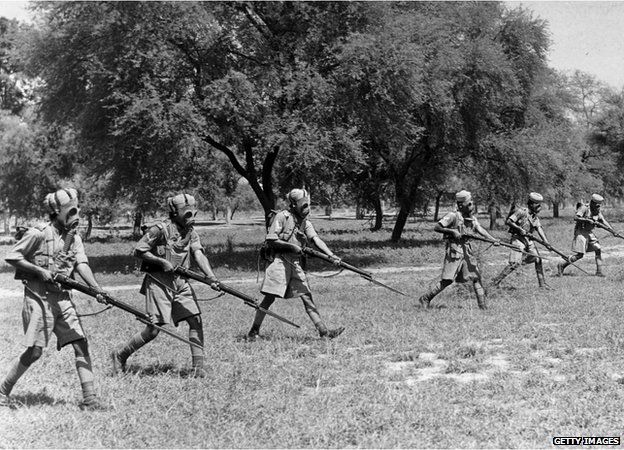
{"x":45,"y":313}
{"x":585,"y":243}
{"x":169,"y":298}
{"x":285,"y":278}
{"x":460,"y":267}
{"x":521,"y":258}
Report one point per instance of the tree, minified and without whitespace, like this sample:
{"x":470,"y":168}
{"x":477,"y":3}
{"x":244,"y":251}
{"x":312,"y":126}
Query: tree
{"x":429,"y":83}
{"x":150,"y":86}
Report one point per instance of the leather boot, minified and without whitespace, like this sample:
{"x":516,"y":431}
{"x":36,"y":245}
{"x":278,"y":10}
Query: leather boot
{"x":502,"y":275}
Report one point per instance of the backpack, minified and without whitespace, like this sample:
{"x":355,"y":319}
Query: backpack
{"x":267,"y":254}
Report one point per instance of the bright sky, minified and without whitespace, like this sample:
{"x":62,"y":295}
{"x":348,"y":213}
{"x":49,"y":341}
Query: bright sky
{"x":586,"y":35}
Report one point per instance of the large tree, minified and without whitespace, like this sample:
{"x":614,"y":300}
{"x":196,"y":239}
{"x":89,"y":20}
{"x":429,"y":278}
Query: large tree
{"x":150,"y":86}
{"x":430,"y":81}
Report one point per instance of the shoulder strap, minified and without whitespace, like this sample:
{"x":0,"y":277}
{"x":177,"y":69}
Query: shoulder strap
{"x":48,"y":235}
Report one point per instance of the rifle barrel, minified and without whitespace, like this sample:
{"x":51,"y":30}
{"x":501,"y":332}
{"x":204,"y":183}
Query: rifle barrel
{"x":140,"y":316}
{"x":247,"y":299}
{"x":364,"y":274}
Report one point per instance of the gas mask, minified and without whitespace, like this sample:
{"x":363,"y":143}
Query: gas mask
{"x":63,"y":204}
{"x":594,"y":208}
{"x":299,"y":200}
{"x":182,"y":210}
{"x":535,"y":208}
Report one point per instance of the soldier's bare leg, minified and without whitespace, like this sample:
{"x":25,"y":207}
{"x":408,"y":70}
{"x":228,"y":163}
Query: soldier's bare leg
{"x":509,"y":268}
{"x":480,"y":293}
{"x":599,"y":263}
{"x":314,"y":315}
{"x":85,"y":374}
{"x":562,"y":265}
{"x":539,"y":271}
{"x":18,"y":368}
{"x":196,"y":335}
{"x":119,"y":357}
{"x":266,"y":303}
{"x":425,"y":299}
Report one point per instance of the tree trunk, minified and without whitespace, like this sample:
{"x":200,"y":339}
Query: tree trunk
{"x":89,"y":225}
{"x":328,"y":211}
{"x":228,"y":214}
{"x":436,"y":213}
{"x":401,"y":220}
{"x":7,"y":221}
{"x":555,"y":209}
{"x":359,"y":211}
{"x":138,"y":221}
{"x":214,"y":211}
{"x":378,"y":214}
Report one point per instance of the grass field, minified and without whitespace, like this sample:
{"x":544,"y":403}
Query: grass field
{"x":537,"y":364}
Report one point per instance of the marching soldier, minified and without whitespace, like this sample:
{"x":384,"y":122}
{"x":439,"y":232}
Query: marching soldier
{"x":169,"y":297}
{"x":284,"y":277}
{"x":584,"y":238}
{"x":37,"y":256}
{"x":523,"y":222}
{"x":460,"y":264}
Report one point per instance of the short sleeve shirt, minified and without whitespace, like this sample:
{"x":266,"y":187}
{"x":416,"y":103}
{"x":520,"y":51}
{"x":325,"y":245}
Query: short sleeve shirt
{"x":525,"y":220}
{"x":34,"y":249}
{"x":165,"y":241}
{"x":584,"y":212}
{"x":460,"y":223}
{"x":287,"y":227}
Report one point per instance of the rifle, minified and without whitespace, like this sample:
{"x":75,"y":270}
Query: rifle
{"x":70,"y":283}
{"x":553,"y":249}
{"x":504,"y":244}
{"x":366,"y":275}
{"x":248,"y":300}
{"x":604,"y":227}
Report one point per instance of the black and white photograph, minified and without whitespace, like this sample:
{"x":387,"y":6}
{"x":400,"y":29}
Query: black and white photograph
{"x":311,"y":224}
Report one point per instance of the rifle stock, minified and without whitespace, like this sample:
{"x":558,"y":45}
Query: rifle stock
{"x":70,"y":283}
{"x":364,"y":274}
{"x":247,"y":299}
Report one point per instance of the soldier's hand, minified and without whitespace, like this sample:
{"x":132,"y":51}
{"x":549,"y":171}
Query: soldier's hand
{"x":152,"y":318}
{"x":214,"y":284}
{"x":296,"y":249}
{"x":167,"y":266}
{"x":456,"y":234}
{"x":336,"y":260}
{"x":101,"y":297}
{"x":46,"y":276}
{"x":496,"y":242}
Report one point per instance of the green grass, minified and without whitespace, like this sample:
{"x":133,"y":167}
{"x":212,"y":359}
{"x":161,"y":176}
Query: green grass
{"x":536,"y":365}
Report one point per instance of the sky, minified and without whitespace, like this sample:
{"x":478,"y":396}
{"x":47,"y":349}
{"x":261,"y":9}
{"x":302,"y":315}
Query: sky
{"x":585,"y":35}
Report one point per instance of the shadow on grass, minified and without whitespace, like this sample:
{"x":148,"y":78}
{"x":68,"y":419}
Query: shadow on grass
{"x":360,"y":253}
{"x":35,"y":399}
{"x":152,"y":370}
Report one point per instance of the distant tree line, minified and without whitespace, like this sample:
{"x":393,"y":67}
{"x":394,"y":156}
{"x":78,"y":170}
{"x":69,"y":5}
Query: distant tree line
{"x":366,"y":103}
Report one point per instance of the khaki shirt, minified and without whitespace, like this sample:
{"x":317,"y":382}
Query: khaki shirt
{"x":43,"y":247}
{"x":287,"y":227}
{"x":584,"y":212}
{"x":462,"y":224}
{"x":525,"y":220}
{"x":165,"y":241}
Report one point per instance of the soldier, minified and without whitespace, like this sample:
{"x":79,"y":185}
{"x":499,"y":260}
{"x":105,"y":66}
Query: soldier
{"x":460,"y":264}
{"x":284,"y":277}
{"x":42,"y":251}
{"x":169,"y":297}
{"x":523,"y":222}
{"x":584,"y":238}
